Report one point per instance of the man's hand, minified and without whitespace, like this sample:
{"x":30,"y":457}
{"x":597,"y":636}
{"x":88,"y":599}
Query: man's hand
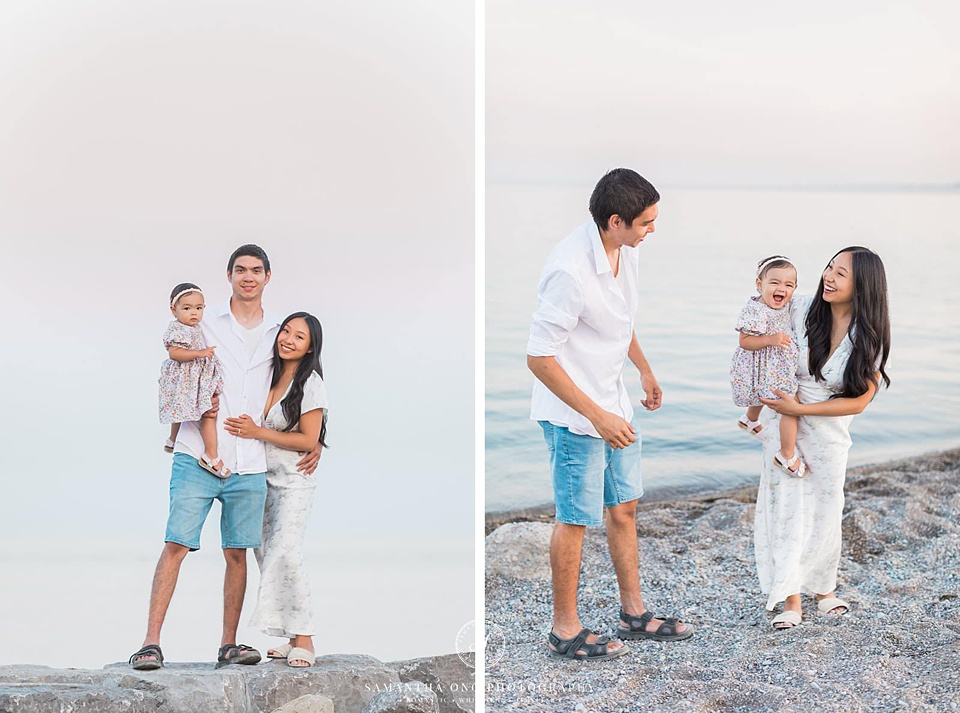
{"x":308,"y":463}
{"x":617,"y":432}
{"x":648,"y":382}
{"x":214,"y":407}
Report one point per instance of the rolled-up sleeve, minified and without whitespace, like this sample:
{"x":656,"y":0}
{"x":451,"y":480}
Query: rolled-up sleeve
{"x":559,"y":304}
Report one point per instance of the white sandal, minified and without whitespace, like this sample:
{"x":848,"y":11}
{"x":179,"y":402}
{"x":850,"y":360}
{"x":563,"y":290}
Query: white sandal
{"x":207,"y":464}
{"x":750,"y":427}
{"x":783,"y":464}
{"x":280,"y":652}
{"x":787,"y":616}
{"x":169,"y":446}
{"x":825,"y":606}
{"x":298,"y":654}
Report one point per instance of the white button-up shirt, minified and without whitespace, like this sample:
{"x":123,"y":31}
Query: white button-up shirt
{"x":246,"y":383}
{"x":584,"y":319}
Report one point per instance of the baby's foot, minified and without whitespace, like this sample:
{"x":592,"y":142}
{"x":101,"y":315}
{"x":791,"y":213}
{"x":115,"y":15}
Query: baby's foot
{"x":214,"y":464}
{"x":754,"y":428}
{"x":791,"y":466}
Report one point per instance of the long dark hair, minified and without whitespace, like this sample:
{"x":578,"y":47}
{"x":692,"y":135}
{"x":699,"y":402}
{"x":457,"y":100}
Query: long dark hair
{"x":869,"y":327}
{"x":309,"y":364}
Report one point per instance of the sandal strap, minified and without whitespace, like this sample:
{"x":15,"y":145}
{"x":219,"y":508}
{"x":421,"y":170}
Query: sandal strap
{"x":148,"y":650}
{"x":569,"y":647}
{"x":636,"y":623}
{"x":597,"y":648}
{"x":787,"y":461}
{"x":226,"y":648}
{"x":668,"y":627}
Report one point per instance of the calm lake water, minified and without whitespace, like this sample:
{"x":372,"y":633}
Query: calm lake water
{"x":80,"y":605}
{"x":696,"y":271}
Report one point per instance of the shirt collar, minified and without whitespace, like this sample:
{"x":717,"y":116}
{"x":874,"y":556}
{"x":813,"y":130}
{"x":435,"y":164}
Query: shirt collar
{"x":599,"y":254}
{"x":270,"y":318}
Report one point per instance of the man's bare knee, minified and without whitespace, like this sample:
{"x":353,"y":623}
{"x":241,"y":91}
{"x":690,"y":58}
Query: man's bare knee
{"x":566,"y":536}
{"x":565,"y":529}
{"x":174,"y":551}
{"x":235,"y":556}
{"x":623,"y":514}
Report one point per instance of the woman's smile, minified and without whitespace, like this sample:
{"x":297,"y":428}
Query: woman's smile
{"x":293,"y":342}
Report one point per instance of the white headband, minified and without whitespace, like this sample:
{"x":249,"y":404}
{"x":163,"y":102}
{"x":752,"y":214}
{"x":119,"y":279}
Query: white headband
{"x":181,"y":293}
{"x":775,"y":258}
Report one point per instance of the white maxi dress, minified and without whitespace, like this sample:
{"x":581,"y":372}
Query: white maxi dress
{"x":284,"y":607}
{"x":798,"y":520}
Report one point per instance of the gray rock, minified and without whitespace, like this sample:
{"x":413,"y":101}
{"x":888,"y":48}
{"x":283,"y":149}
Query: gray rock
{"x":449,"y":677}
{"x":310,"y":703}
{"x":405,"y":697}
{"x":519,"y":550}
{"x":348,"y":681}
{"x":40,"y":689}
{"x":85,"y":698}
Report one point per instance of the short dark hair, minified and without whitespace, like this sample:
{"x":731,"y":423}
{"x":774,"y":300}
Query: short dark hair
{"x":621,"y":192}
{"x":249,"y":250}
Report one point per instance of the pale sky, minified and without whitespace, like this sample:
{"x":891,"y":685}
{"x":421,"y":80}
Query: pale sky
{"x":140,"y":143}
{"x":736,"y":93}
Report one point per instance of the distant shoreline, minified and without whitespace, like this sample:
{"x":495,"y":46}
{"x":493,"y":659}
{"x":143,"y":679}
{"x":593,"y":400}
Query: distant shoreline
{"x":546,"y":511}
{"x":826,"y":188}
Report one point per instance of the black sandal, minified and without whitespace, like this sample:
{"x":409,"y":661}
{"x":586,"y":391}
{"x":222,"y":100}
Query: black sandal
{"x":242,"y":654}
{"x":569,"y":648}
{"x":147,"y":664}
{"x":667,"y":631}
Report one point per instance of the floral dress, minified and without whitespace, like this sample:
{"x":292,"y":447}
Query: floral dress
{"x":187,"y":387}
{"x":284,"y":606}
{"x":798,"y":520}
{"x":756,"y":373}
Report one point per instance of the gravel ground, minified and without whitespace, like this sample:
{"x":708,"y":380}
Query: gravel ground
{"x":897,"y":649}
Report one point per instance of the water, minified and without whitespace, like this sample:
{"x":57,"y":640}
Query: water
{"x":83,"y":606}
{"x":696,"y":271}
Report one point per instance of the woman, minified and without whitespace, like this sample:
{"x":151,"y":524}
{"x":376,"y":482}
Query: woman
{"x":844,"y":338}
{"x":294,"y":420}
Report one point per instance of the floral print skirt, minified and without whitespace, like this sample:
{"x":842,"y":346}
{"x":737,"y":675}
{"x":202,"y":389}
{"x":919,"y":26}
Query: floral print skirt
{"x":284,"y":607}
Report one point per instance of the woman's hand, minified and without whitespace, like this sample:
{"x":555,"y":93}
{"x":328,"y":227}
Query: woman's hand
{"x":779,"y":340}
{"x":243,"y":427}
{"x":786,"y":405}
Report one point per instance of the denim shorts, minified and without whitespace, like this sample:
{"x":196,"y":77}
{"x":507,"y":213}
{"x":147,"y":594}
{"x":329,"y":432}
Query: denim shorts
{"x":589,"y":475}
{"x":192,"y":492}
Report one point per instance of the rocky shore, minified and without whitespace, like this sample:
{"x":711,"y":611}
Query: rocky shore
{"x":897,"y":649}
{"x":337,"y":684}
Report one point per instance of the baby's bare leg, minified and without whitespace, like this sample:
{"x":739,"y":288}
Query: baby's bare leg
{"x":788,"y":435}
{"x":174,"y":430}
{"x":208,"y":432}
{"x":753,"y":413}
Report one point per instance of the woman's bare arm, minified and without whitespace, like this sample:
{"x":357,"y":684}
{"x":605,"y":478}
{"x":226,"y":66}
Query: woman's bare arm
{"x":789,"y":406}
{"x":305,"y":440}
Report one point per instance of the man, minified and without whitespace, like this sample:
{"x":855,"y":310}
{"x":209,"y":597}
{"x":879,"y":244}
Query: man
{"x":581,"y":336}
{"x":243,"y":335}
